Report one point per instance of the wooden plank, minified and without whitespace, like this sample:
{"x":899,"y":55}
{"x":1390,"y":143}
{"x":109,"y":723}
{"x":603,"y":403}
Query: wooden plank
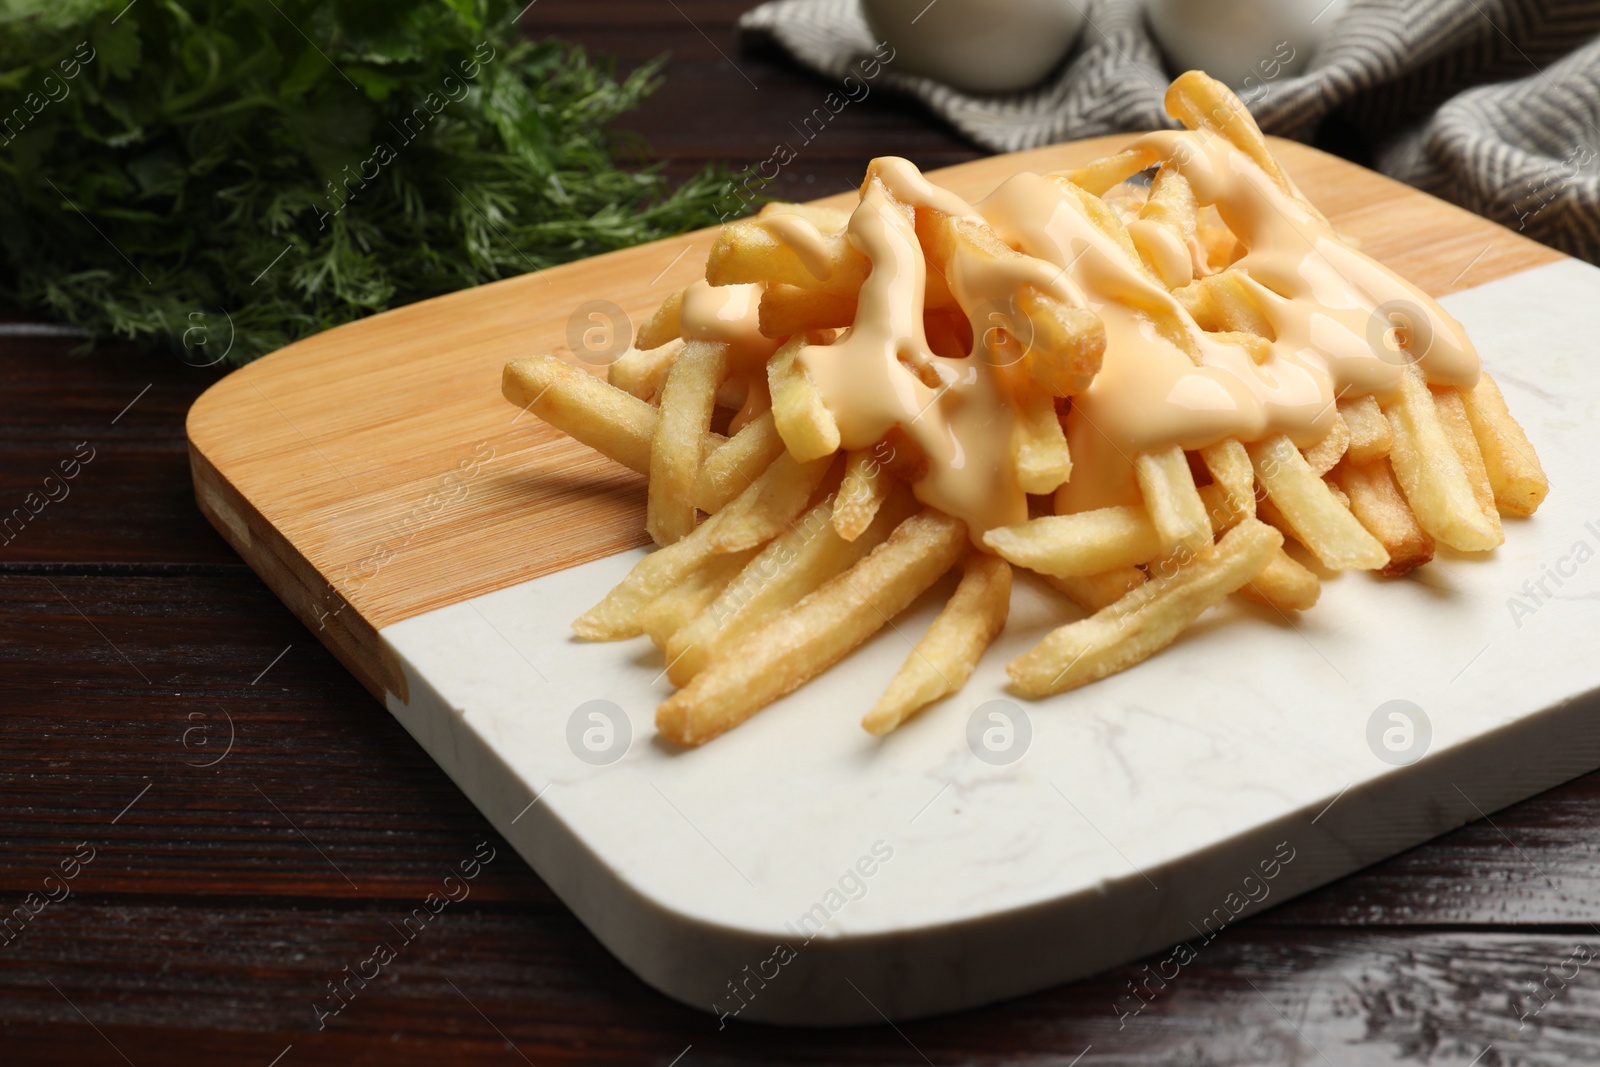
{"x":131,"y":502}
{"x":244,"y":983}
{"x":373,"y":473}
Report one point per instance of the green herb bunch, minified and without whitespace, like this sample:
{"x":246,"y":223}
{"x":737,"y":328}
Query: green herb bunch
{"x":295,"y":165}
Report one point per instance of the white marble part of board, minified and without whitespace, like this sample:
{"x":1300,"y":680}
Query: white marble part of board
{"x":799,"y":870}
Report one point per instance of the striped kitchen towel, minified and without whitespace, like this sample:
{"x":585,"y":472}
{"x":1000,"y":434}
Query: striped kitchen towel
{"x":1493,"y":104}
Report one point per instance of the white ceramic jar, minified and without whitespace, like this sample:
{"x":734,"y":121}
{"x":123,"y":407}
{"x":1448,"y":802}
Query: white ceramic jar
{"x":983,"y":46}
{"x":1245,"y":44}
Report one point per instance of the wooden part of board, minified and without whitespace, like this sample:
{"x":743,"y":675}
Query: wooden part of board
{"x":373,"y":472}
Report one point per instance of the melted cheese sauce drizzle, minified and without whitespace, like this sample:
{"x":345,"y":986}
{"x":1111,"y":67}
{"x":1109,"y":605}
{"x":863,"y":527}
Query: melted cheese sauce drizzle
{"x":729,"y":314}
{"x":1164,"y":380}
{"x":872,"y":376}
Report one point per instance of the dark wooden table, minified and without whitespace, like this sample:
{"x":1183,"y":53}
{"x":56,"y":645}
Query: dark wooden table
{"x":256,"y":822}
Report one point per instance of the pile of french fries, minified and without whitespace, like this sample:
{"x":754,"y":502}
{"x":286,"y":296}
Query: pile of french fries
{"x":780,"y":552}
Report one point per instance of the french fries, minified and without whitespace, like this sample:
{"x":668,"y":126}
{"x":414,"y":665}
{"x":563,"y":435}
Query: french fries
{"x":816,"y":633}
{"x":1095,"y":591}
{"x":1147,"y":619}
{"x":1043,"y":462}
{"x":1451,"y":408}
{"x":1318,"y":520}
{"x":1514,"y":472}
{"x":1077,"y":546}
{"x":1235,"y":477}
{"x":1174,"y":504}
{"x":773,"y":500}
{"x":729,"y":468}
{"x":1225,"y":303}
{"x":663,"y":326}
{"x":1430,"y":471}
{"x":1283,"y":584}
{"x":900,"y":399}
{"x":803,"y":419}
{"x":639,"y":371}
{"x":945,"y":658}
{"x":1370,"y":436}
{"x":757,"y":250}
{"x":790,"y":566}
{"x":1326,"y":453}
{"x":861,"y":493}
{"x":687,"y":397}
{"x":1376,"y":501}
{"x":668,"y":613}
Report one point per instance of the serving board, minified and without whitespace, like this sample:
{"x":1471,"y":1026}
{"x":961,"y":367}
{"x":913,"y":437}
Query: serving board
{"x":798,"y":870}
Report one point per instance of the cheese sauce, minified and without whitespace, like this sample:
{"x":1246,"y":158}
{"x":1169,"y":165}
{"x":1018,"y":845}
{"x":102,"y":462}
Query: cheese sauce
{"x":1163,"y":380}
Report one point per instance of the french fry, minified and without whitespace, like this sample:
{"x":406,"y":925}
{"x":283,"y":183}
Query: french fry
{"x":1175,"y":506}
{"x":639,"y":371}
{"x":1127,"y":200}
{"x":1222,"y":510}
{"x":751,"y":251}
{"x":1065,"y":344}
{"x":1201,"y":102}
{"x":728,"y":469}
{"x":1062,"y":344}
{"x":1430,"y":472}
{"x":1376,"y":500}
{"x":672,"y":610}
{"x":793,"y":564}
{"x":602,"y":416}
{"x":1220,"y":247}
{"x":1147,"y":619}
{"x":825,"y":219}
{"x":1165,"y":229}
{"x":1515,"y":473}
{"x":663,"y":326}
{"x":1224,"y":303}
{"x":1104,"y":219}
{"x":1316,"y":518}
{"x":1233,"y":474}
{"x":943,"y":660}
{"x":1322,"y":456}
{"x":1259,"y":349}
{"x":804,"y":421}
{"x":1098,"y":177}
{"x":755,"y":516}
{"x":1092,"y":592}
{"x":1452,"y":411}
{"x":1042,"y":460}
{"x":771,"y":503}
{"x":787,"y":310}
{"x":1168,"y":320}
{"x":1080,"y":545}
{"x":863,"y":490}
{"x":687,"y":397}
{"x":617,"y":615}
{"x":1171,"y":204}
{"x":1283,"y":584}
{"x":1370,"y":436}
{"x":816,"y":633}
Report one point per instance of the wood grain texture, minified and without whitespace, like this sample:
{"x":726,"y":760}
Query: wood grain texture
{"x":373,"y":472}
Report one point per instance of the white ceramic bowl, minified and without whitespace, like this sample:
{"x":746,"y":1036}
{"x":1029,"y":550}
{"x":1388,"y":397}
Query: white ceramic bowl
{"x":1247,"y":44}
{"x":984,"y":46}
